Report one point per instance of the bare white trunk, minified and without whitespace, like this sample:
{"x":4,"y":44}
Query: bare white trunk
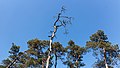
{"x":106,"y":65}
{"x":51,"y":39}
{"x":48,"y":61}
{"x":50,"y":45}
{"x":53,"y":35}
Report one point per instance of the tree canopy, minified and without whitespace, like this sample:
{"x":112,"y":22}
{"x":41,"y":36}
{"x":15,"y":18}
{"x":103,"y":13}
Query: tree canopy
{"x":106,"y":53}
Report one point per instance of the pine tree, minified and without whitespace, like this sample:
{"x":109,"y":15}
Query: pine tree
{"x":37,"y":52}
{"x":12,"y":60}
{"x":74,"y":55}
{"x":103,"y":50}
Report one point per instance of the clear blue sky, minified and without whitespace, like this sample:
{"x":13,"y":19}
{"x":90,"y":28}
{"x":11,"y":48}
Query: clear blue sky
{"x":23,"y":20}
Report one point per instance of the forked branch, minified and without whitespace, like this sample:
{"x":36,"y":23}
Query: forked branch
{"x":59,"y":22}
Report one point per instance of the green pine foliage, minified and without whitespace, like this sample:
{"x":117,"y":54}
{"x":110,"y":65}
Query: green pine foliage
{"x":99,"y":43}
{"x":74,"y":55}
{"x":71,"y":56}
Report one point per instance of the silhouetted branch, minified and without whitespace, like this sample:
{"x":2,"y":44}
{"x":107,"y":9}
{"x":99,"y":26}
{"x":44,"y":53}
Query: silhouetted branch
{"x":59,"y":22}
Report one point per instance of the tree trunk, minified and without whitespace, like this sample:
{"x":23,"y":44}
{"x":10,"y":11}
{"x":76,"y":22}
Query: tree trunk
{"x":53,"y":35}
{"x":50,"y":49}
{"x":12,"y":62}
{"x":42,"y":64}
{"x":104,"y":51}
{"x":49,"y":54}
{"x":48,"y":59}
{"x":55,"y":61}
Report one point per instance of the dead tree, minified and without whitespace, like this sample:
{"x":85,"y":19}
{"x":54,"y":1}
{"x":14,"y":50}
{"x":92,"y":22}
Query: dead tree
{"x":59,"y":22}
